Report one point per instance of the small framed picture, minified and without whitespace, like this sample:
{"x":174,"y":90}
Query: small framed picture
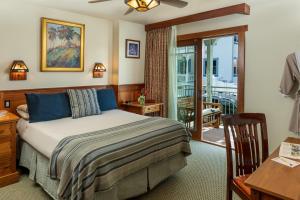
{"x":132,"y":48}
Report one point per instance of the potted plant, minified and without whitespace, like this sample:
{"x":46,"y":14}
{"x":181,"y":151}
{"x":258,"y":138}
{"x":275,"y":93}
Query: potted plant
{"x":142,"y":97}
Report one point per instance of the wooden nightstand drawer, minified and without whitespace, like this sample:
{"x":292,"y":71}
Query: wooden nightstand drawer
{"x":151,"y":109}
{"x":5,"y":130}
{"x":5,"y":155}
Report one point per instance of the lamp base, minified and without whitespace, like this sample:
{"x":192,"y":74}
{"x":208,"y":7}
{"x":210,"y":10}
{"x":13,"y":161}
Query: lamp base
{"x":18,"y":76}
{"x":97,"y":74}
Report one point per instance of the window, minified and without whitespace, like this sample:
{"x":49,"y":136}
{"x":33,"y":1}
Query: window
{"x":185,"y":59}
{"x":181,"y":66}
{"x":190,"y":67}
{"x":236,"y":39}
{"x":234,"y":67}
{"x":215,"y":67}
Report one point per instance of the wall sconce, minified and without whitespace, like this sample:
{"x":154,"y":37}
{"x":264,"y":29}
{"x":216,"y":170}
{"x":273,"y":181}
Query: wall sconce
{"x":18,"y":70}
{"x":99,"y":70}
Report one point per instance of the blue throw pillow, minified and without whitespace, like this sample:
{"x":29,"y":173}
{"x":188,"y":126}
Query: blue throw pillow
{"x":46,"y":107}
{"x":107,"y":99}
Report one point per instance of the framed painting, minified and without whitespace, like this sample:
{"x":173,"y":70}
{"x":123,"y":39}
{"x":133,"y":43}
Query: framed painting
{"x":62,"y":46}
{"x":132,"y":48}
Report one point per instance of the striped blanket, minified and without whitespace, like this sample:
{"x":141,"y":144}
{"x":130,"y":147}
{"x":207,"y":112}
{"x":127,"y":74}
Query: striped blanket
{"x":96,"y":161}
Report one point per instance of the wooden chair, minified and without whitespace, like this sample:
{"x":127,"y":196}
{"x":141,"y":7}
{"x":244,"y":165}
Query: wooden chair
{"x":243,"y":129}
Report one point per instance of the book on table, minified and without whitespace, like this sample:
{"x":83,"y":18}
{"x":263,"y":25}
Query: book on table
{"x":290,"y":150}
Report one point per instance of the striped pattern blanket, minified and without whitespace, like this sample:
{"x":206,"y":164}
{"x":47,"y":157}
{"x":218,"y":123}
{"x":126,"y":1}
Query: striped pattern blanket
{"x":96,"y":161}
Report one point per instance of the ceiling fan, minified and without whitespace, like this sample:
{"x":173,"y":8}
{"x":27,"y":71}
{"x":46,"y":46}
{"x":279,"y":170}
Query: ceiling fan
{"x":145,"y":5}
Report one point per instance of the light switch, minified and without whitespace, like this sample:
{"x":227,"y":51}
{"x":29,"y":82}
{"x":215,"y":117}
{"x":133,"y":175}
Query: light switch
{"x":7,"y":103}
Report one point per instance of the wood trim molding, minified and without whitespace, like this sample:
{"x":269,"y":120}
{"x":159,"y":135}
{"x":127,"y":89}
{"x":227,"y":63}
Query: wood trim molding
{"x":212,"y":33}
{"x":243,"y":9}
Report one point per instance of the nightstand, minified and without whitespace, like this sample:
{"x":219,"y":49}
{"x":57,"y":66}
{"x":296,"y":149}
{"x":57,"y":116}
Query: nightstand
{"x":150,"y":108}
{"x":8,"y":172}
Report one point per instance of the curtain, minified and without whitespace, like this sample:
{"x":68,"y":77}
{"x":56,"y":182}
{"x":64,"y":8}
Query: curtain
{"x":156,"y":66}
{"x":172,"y":71}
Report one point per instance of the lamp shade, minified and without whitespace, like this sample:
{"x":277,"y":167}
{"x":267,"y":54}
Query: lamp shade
{"x":142,"y":5}
{"x":18,"y":70}
{"x":99,"y":68}
{"x":19,"y":66}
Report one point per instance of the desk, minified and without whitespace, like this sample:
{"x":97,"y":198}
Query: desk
{"x":274,"y":181}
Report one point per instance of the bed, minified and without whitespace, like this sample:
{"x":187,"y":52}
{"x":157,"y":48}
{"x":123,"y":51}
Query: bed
{"x":39,"y":142}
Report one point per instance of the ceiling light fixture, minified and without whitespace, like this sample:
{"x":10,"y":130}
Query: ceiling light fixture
{"x":142,"y":5}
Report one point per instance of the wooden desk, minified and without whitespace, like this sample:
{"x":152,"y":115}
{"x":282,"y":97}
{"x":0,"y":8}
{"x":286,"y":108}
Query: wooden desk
{"x":148,"y":108}
{"x":275,"y":181}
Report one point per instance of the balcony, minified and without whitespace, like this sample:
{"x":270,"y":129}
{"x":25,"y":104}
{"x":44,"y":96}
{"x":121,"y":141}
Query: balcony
{"x":226,"y":96}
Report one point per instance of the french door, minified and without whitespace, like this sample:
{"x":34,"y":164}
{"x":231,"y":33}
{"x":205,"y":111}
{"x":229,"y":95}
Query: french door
{"x":188,"y":102}
{"x":210,"y":69}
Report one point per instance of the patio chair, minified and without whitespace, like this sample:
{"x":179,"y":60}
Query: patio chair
{"x":186,"y":110}
{"x":211,"y":114}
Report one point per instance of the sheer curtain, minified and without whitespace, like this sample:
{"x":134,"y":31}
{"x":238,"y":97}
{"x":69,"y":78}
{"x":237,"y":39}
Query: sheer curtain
{"x":172,"y":74}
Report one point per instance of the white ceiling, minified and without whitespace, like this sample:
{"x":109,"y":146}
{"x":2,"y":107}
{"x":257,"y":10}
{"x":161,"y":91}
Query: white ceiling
{"x":114,"y":9}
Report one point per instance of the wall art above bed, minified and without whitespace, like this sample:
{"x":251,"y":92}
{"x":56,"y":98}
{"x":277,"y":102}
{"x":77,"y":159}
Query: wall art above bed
{"x":62,"y":46}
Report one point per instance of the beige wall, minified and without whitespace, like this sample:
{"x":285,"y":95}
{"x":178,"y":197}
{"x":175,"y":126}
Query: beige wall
{"x":20,"y":39}
{"x":274,"y":32}
{"x":128,"y":70}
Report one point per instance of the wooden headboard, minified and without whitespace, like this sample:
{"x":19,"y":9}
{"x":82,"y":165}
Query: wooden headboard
{"x":17,"y":97}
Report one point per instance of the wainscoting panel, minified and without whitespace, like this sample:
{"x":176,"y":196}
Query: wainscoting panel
{"x":127,"y":93}
{"x":17,"y":97}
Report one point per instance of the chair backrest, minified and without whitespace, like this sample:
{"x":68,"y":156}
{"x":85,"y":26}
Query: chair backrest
{"x":243,"y":130}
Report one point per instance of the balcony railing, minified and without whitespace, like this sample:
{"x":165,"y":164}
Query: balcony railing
{"x":226,"y":96}
{"x":186,"y":78}
{"x":185,"y":91}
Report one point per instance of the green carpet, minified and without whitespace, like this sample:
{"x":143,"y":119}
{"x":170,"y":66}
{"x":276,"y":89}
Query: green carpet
{"x":203,"y":179}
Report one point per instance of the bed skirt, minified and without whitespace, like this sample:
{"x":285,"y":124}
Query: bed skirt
{"x":131,"y":186}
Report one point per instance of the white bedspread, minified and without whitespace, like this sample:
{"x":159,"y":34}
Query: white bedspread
{"x":44,"y":136}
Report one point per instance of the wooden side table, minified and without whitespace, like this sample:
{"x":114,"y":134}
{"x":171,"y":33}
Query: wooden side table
{"x":8,"y":172}
{"x":150,"y":108}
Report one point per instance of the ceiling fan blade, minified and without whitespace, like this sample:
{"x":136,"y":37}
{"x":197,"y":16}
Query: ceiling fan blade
{"x":97,"y":1}
{"x":130,"y":10}
{"x":176,"y":3}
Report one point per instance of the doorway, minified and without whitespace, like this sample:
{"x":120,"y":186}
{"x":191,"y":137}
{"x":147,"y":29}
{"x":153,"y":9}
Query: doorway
{"x":219,"y":84}
{"x":210,"y":76}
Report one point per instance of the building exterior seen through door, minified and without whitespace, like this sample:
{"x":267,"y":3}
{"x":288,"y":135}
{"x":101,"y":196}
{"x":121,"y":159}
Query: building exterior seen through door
{"x":210,"y":78}
{"x":219,"y":84}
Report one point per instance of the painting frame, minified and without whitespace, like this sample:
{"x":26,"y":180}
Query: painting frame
{"x":44,"y":46}
{"x":137,"y":52}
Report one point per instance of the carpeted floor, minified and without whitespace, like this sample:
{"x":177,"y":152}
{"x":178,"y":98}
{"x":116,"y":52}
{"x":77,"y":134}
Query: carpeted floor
{"x":203,"y":179}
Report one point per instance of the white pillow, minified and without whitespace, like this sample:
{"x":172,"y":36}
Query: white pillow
{"x":22,"y":110}
{"x":208,"y":111}
{"x":23,"y":114}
